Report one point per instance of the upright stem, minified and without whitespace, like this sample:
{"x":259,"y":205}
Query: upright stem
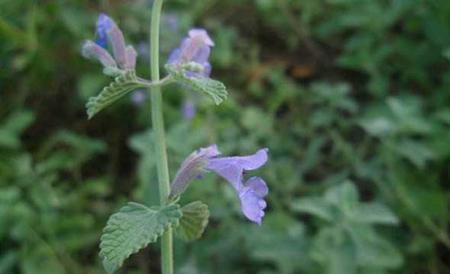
{"x":160,"y":138}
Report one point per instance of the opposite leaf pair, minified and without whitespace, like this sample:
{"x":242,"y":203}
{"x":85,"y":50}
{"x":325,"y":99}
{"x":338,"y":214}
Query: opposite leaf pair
{"x":187,"y":65}
{"x":135,"y":225}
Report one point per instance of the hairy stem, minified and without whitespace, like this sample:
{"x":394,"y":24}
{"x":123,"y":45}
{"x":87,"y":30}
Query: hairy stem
{"x":160,"y":138}
{"x":150,"y":84}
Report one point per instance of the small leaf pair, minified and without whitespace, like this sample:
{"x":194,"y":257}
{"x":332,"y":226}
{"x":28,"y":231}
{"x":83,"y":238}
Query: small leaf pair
{"x":136,"y":225}
{"x":187,"y":65}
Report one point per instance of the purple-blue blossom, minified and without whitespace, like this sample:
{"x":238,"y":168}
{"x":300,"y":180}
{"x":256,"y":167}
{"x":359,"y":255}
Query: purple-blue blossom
{"x":138,"y":97}
{"x":251,"y":193}
{"x":104,"y":24}
{"x":189,"y":109}
{"x":109,"y":33}
{"x":252,"y":199}
{"x":191,"y":168}
{"x":195,"y":48}
{"x":171,"y":20}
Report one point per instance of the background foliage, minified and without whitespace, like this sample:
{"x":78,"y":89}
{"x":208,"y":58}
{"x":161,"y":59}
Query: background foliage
{"x":351,"y":96}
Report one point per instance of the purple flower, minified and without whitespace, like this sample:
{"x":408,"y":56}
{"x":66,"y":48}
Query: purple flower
{"x":188,"y":109}
{"x":104,"y":24}
{"x":252,"y":199}
{"x":92,"y":50}
{"x":195,"y":48}
{"x":138,"y":97}
{"x":192,"y":168}
{"x":232,"y":168}
{"x":108,"y":31}
{"x":251,"y":193}
{"x":143,"y":50}
{"x":171,"y":21}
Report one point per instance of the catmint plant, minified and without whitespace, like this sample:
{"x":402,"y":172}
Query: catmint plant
{"x":136,"y":225}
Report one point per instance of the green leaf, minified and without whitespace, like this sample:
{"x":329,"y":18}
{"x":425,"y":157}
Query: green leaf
{"x":133,"y":228}
{"x":416,"y":152}
{"x":334,"y":251}
{"x":215,"y":89}
{"x":373,"y":250}
{"x":314,"y":206}
{"x":13,"y":126}
{"x":194,"y":221}
{"x":282,"y":233}
{"x":374,"y":213}
{"x":446,"y":53}
{"x":7,"y":261}
{"x":345,"y":196}
{"x":121,"y":86}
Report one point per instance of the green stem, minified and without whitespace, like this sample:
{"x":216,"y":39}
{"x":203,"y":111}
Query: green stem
{"x":160,"y":138}
{"x":150,"y":84}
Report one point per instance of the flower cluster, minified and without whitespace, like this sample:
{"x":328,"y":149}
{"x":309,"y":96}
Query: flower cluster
{"x":108,"y":33}
{"x":193,"y":54}
{"x":190,"y":59}
{"x":251,"y":192}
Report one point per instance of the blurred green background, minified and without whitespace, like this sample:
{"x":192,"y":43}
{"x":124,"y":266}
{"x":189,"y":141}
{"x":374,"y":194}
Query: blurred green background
{"x":351,"y":96}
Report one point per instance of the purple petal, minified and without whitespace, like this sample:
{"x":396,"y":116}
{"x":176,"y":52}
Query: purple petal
{"x":138,"y":97}
{"x":195,"y":48}
{"x":230,"y":172}
{"x":104,"y":24}
{"x":131,"y":55}
{"x":174,"y":57}
{"x":188,"y":110}
{"x":92,"y":50}
{"x":143,"y":50}
{"x":231,"y":168}
{"x":258,"y":185}
{"x":209,"y":152}
{"x":203,"y":35}
{"x":207,"y":69}
{"x":191,"y":168}
{"x":252,"y":202}
{"x":201,"y":55}
{"x":171,"y":20}
{"x":251,"y":194}
{"x":118,"y":45}
{"x":254,"y":161}
{"x":194,"y":51}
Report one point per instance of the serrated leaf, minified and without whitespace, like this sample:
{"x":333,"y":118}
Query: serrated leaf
{"x":194,"y":221}
{"x":133,"y":228}
{"x":121,"y":86}
{"x":215,"y":89}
